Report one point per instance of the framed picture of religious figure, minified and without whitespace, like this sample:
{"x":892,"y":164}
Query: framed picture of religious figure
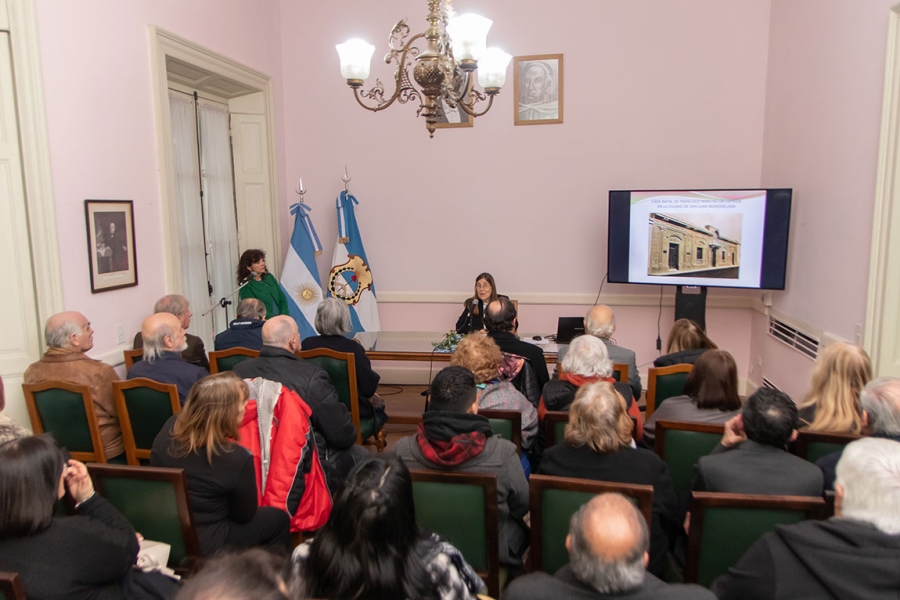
{"x":454,"y":116}
{"x":111,"y":247}
{"x":539,"y":89}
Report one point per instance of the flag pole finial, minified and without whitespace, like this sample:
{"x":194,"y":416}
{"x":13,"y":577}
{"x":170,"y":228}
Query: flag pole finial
{"x":300,"y":191}
{"x":346,"y":179}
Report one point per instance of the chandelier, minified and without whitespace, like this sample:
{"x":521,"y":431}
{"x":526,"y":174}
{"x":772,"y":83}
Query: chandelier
{"x":454,"y":49}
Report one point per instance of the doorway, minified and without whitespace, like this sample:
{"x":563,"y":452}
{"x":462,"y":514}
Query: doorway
{"x":674,"y":254}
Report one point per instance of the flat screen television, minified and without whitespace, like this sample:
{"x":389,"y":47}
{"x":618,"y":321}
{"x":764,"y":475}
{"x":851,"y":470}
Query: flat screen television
{"x":711,"y":238}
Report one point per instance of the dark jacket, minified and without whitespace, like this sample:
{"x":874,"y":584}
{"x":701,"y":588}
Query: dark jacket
{"x":366,"y":379}
{"x":630,"y":465}
{"x":564,"y":586}
{"x":684,"y":357}
{"x":472,"y":320}
{"x":828,"y":463}
{"x":195,"y":353}
{"x":508,"y":342}
{"x":241,"y":333}
{"x":169,"y":367}
{"x":834,"y":559}
{"x":331,"y":419}
{"x":559,"y":394}
{"x":752,"y":468}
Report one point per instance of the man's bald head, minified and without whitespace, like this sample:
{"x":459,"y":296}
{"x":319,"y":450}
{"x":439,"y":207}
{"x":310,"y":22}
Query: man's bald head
{"x":608,"y":542}
{"x":69,"y":329}
{"x":162,"y":332}
{"x":281,"y":332}
{"x":600,"y":322}
{"x":500,"y":315}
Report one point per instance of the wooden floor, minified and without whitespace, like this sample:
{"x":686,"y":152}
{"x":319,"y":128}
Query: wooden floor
{"x":404,"y":405}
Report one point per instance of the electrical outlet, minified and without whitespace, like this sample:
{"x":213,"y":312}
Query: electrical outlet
{"x":751,"y":370}
{"x":759,"y":361}
{"x":120,"y":333}
{"x":858,"y":333}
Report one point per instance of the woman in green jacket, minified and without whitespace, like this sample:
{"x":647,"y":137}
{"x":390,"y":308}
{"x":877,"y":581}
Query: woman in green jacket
{"x":260,"y":283}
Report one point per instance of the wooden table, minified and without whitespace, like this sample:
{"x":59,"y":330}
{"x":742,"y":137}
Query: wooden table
{"x":418,"y":346}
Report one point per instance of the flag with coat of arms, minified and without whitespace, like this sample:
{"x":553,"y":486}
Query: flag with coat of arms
{"x":351,"y":279}
{"x":300,"y":275}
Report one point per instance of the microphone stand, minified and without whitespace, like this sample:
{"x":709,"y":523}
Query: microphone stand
{"x":224,"y":301}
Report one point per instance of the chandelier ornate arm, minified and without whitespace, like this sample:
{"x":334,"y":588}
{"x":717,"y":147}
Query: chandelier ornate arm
{"x":404,"y":89}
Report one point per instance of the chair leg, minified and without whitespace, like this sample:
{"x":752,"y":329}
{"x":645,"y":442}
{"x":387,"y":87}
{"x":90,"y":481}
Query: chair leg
{"x":380,"y":438}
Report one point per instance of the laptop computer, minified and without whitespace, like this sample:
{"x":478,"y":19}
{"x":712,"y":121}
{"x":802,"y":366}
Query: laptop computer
{"x":568,"y":329}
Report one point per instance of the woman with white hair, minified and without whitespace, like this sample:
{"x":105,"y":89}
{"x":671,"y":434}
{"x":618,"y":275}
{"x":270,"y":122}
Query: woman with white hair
{"x":333,"y":323}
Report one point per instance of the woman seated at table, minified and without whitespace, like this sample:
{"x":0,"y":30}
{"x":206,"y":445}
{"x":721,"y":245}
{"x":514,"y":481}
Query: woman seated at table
{"x":710,"y":395}
{"x":91,"y":555}
{"x":260,"y":284}
{"x":221,"y":479}
{"x":838,"y":377}
{"x":687,"y":341}
{"x":481,"y":355}
{"x":472,"y":317}
{"x":598,"y":446}
{"x":332,"y":322}
{"x":371,"y":546}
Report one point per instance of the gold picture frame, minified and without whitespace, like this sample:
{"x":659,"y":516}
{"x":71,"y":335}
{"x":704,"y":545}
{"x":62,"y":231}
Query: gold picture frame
{"x":538,"y":89}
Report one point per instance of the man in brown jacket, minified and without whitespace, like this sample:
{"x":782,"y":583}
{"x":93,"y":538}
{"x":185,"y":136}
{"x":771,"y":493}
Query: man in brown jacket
{"x":69,"y":336}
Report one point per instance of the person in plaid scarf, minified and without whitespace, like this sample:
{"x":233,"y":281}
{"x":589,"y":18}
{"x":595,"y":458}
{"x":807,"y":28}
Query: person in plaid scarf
{"x":453,"y":437}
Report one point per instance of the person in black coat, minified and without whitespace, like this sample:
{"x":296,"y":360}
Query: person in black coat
{"x":472,"y":317}
{"x":501,"y":323}
{"x":687,"y":341}
{"x":246,"y":330}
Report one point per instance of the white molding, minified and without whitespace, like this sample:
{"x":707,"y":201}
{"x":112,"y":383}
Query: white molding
{"x":114,"y":356}
{"x":36,"y":168}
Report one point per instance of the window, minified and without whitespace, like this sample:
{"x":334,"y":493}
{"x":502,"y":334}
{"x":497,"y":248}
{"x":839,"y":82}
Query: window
{"x":699,"y":252}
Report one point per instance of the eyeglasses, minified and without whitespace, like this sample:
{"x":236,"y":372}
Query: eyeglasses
{"x":482,"y":285}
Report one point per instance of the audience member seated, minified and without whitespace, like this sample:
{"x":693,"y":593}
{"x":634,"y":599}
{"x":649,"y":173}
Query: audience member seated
{"x":164,"y":340}
{"x":454,"y":437}
{"x":249,"y":575}
{"x":687,"y":342}
{"x":221,"y":479}
{"x":880,"y":404}
{"x":371,"y":546}
{"x":501,"y":324}
{"x":333,"y":426}
{"x":607,"y":543}
{"x":9,"y":429}
{"x":472,"y":317}
{"x":598,"y":446}
{"x":481,"y":355}
{"x":852,"y":555}
{"x":832,"y":404}
{"x":600,"y":322}
{"x":752,"y":457}
{"x":69,"y":336}
{"x":710,"y":395}
{"x":91,"y":555}
{"x":174,"y":304}
{"x":260,"y":283}
{"x":332,"y":322}
{"x":246,"y":330}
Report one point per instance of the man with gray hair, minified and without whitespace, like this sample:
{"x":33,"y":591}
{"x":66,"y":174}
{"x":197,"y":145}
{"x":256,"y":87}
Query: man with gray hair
{"x":851,"y":555}
{"x":880,"y":405}
{"x":608,"y":546}
{"x":246,"y":330}
{"x":178,"y":305}
{"x":69,"y":336}
{"x":600,"y":322}
{"x":164,"y":342}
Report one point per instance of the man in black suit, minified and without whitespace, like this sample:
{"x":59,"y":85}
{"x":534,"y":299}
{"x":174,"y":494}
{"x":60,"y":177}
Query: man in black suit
{"x":501,"y":324}
{"x":752,"y":457}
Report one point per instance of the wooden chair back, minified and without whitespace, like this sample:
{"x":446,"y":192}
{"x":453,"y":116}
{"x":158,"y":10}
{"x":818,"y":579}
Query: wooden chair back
{"x":132,"y":356}
{"x":144,"y":406}
{"x":554,"y":427}
{"x":813,"y":445}
{"x":724,"y":526}
{"x":11,"y":587}
{"x":681,"y":445}
{"x":442,"y":497}
{"x":224,"y":360}
{"x":554,"y":500}
{"x":665,"y":382}
{"x":620,"y":373}
{"x":66,"y":411}
{"x":506,"y":424}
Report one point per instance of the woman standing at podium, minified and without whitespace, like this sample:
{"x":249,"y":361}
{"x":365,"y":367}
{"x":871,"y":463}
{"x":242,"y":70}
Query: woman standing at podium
{"x":472,"y":317}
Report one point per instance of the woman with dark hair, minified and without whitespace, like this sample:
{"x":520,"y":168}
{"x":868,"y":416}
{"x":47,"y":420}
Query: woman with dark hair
{"x":710,"y":395}
{"x":249,"y":575}
{"x":260,"y":283}
{"x":371,"y":547}
{"x":472,"y":317}
{"x":91,"y":555}
{"x":687,"y":341}
{"x":221,"y":478}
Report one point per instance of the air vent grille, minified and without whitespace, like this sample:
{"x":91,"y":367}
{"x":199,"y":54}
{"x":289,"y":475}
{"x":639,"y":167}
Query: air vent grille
{"x":768,"y":384}
{"x":793,"y":337}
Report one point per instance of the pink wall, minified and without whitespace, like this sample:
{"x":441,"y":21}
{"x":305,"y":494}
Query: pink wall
{"x":95,"y":57}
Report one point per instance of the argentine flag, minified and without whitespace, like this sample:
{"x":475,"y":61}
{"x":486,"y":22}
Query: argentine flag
{"x":350,"y":279}
{"x":300,"y":275}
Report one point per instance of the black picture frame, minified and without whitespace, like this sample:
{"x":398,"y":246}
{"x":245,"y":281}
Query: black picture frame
{"x":112,"y":252}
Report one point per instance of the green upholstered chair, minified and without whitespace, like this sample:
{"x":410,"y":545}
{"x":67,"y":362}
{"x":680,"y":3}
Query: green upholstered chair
{"x":812,"y":445}
{"x":11,"y":587}
{"x":441,"y":498}
{"x":144,"y":406}
{"x":155,"y":502}
{"x":554,"y":500}
{"x":506,"y":424}
{"x":132,"y":356}
{"x":681,"y":445}
{"x":665,"y":382}
{"x":341,"y":368}
{"x":224,"y":360}
{"x":554,"y":427}
{"x":620,"y":373}
{"x":724,"y":526}
{"x":66,"y":411}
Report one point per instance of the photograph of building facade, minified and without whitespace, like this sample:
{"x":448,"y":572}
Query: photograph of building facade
{"x":680,"y":247}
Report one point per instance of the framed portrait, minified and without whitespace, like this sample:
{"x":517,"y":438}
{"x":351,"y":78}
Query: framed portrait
{"x":454,"y":117}
{"x":111,"y":247}
{"x":539,"y":89}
